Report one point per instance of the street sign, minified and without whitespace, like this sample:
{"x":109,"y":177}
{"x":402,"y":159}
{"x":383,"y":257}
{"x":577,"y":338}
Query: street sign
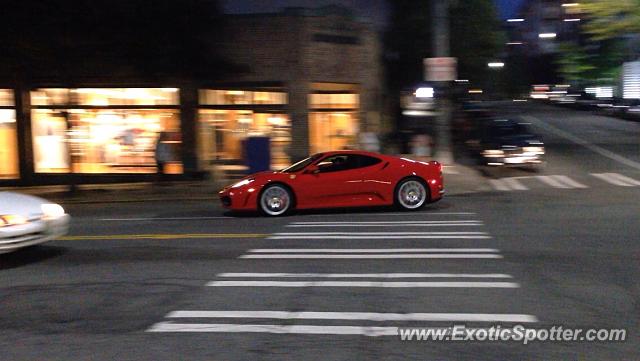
{"x":440,"y":69}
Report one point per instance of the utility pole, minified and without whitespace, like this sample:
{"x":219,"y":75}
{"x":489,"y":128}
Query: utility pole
{"x":440,"y":29}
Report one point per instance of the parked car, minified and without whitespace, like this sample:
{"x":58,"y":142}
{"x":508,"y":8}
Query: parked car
{"x":506,"y":142}
{"x":338,"y":179}
{"x":26,"y":220}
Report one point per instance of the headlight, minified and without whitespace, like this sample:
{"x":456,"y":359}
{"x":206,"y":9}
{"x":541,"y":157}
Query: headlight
{"x":52,"y":210}
{"x":12,"y":220}
{"x":493,"y":153}
{"x":535,"y":150}
{"x":242,"y":183}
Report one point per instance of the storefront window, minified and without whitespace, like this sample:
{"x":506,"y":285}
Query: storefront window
{"x":105,"y":96}
{"x":223,"y":131}
{"x":332,"y":131}
{"x":8,"y":136}
{"x":242,"y":97}
{"x":86,"y":132}
{"x":333,"y":101}
{"x":333,"y":121}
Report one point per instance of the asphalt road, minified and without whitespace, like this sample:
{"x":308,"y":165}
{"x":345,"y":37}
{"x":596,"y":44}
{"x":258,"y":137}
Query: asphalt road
{"x":156,"y":281}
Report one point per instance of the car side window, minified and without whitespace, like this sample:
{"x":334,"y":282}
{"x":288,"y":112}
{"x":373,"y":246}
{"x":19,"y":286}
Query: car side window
{"x":342,"y":162}
{"x":366,"y":161}
{"x":338,"y":162}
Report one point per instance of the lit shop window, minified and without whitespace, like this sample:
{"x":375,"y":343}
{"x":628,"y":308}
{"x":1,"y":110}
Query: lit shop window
{"x":242,"y":97}
{"x":8,"y":136}
{"x":105,"y":96}
{"x":330,"y":131}
{"x":223,"y":131}
{"x":84,"y":131}
{"x":333,"y":121}
{"x":333,"y":101}
{"x":7,"y":98}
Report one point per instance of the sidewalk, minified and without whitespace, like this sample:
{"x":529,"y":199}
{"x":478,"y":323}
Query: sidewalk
{"x":125,"y":192}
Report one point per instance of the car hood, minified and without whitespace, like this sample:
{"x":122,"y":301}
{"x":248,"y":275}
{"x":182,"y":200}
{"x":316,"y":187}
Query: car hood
{"x":20,"y":204}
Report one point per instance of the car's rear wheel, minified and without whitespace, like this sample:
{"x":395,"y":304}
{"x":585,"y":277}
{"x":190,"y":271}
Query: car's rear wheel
{"x":275,"y":200}
{"x":411,"y":194}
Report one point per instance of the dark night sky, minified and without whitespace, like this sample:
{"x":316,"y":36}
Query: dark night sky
{"x":372,"y":9}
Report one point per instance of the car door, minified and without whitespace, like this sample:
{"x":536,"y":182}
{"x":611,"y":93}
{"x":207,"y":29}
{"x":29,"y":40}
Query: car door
{"x":336,"y":183}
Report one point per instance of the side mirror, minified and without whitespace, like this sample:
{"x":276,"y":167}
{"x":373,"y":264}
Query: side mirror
{"x":312,"y":169}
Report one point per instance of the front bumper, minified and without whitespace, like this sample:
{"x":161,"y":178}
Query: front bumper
{"x":239,"y":199}
{"x":515,"y":160}
{"x":32,"y":233}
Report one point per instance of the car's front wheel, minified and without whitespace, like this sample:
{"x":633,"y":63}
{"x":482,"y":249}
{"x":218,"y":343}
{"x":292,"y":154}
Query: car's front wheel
{"x":411,"y":194}
{"x":275,"y":200}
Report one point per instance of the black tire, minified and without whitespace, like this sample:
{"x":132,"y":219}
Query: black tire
{"x":411,"y":194}
{"x":275,"y":200}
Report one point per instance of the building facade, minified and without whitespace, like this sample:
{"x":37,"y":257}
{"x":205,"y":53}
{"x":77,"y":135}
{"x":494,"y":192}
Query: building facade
{"x":310,"y":81}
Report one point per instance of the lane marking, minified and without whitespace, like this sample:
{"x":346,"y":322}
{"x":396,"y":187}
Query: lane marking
{"x":370,"y":331}
{"x":377,"y":233}
{"x":403,"y":214}
{"x":385,"y":222}
{"x":159,"y":219}
{"x":162,"y":236}
{"x":602,"y":151}
{"x":361,"y":316}
{"x":552,"y":181}
{"x":275,"y":329}
{"x":611,"y":180}
{"x":568,"y":181}
{"x":373,"y":250}
{"x":498,"y":185}
{"x":515,"y":184}
{"x":371,"y":284}
{"x":369,"y":256}
{"x":380,"y":235}
{"x":364,"y":275}
{"x":389,"y":237}
{"x":623,"y":178}
{"x":385,"y":225}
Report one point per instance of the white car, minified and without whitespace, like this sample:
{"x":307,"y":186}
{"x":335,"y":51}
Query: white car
{"x":27,"y":220}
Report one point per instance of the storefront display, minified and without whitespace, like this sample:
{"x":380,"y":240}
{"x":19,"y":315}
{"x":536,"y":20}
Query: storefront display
{"x":9,"y":168}
{"x":222,"y":131}
{"x":333,"y":121}
{"x":85,"y":131}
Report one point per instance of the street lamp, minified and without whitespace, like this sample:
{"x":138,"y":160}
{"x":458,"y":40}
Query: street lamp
{"x":496,"y":64}
{"x":515,"y":20}
{"x":547,"y":35}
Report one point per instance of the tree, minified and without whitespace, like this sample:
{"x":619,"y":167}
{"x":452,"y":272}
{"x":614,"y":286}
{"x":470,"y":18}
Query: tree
{"x":476,"y":38}
{"x":610,"y":19}
{"x":598,"y":56}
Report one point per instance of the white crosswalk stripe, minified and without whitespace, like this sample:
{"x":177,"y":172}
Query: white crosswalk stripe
{"x":379,"y":235}
{"x":353,"y":322}
{"x":370,"y":284}
{"x":363,"y":275}
{"x":387,"y":224}
{"x":373,"y":250}
{"x":360,"y":316}
{"x":560,"y":181}
{"x":617,"y":179}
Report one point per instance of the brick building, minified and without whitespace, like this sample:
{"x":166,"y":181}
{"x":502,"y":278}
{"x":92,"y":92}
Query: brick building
{"x":309,"y":79}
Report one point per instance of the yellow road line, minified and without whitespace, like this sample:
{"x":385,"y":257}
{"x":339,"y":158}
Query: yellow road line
{"x":162,"y":236}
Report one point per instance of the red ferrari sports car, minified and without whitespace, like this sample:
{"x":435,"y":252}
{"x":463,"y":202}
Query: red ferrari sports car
{"x":338,"y":179}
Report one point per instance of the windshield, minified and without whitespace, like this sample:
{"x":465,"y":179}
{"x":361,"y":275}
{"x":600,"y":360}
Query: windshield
{"x":301,"y":164}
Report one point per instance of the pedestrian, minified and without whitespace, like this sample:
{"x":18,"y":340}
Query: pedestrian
{"x":163,"y":155}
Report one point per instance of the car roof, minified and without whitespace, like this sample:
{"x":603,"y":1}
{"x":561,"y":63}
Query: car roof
{"x":359,"y":152}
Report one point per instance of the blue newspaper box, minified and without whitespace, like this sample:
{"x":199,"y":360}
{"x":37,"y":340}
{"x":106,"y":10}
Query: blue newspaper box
{"x":257,"y":154}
